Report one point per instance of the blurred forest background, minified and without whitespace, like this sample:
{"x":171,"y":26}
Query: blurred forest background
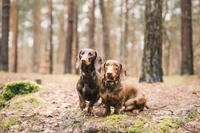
{"x":38,"y":32}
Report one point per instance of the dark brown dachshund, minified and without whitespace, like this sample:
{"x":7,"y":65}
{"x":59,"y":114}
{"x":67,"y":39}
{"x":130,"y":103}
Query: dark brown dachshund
{"x":117,"y":93}
{"x":87,"y":87}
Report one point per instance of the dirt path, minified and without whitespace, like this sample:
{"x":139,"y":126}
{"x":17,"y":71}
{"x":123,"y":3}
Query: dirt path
{"x":59,"y":110}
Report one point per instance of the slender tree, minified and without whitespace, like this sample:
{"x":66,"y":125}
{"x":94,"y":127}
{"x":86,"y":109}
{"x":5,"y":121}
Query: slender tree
{"x":37,"y":36}
{"x":76,"y":31}
{"x":106,"y":35}
{"x":121,"y":23}
{"x":50,"y":6}
{"x":92,"y":24}
{"x":186,"y":38}
{"x":14,"y":29}
{"x":152,"y":54}
{"x":126,"y":31}
{"x":68,"y":54}
{"x":5,"y":35}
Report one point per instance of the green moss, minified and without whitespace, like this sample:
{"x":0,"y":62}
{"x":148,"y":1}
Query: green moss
{"x":169,"y":122}
{"x":26,"y":102}
{"x":190,"y":116}
{"x":12,"y":89}
{"x":10,"y":122}
{"x":138,"y":126}
{"x":2,"y":102}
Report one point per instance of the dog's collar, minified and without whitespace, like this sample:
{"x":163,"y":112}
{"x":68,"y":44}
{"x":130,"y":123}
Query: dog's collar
{"x":111,"y":84}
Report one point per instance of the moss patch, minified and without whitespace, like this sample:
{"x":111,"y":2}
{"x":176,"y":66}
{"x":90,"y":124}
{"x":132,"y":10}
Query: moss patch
{"x":164,"y":125}
{"x":23,"y":103}
{"x":190,"y":116}
{"x":138,"y":126}
{"x":9,"y":122}
{"x":12,"y":89}
{"x":169,"y":122}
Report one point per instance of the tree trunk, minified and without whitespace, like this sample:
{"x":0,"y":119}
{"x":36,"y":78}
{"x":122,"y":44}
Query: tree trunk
{"x":50,"y":6}
{"x":15,"y":34}
{"x":92,"y":25}
{"x":106,"y":36}
{"x":37,"y":37}
{"x":68,"y":55}
{"x":152,"y":54}
{"x":76,"y":32}
{"x":5,"y":35}
{"x":121,"y":54}
{"x":186,"y":38}
{"x":125,"y":49}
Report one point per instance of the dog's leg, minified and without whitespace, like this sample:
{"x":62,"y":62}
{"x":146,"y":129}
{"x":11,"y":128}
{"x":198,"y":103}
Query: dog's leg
{"x":90,"y":110}
{"x":107,"y":110}
{"x":117,"y":109}
{"x":82,"y":102}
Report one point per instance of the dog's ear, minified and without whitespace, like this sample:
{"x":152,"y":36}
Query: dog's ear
{"x":122,"y":72}
{"x":98,"y":61}
{"x":102,"y":70}
{"x":78,"y":60}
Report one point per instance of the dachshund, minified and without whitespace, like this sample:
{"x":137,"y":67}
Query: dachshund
{"x":117,"y":93}
{"x":88,"y":90}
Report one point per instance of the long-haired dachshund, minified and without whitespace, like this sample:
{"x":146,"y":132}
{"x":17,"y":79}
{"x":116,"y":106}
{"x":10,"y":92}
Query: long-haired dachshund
{"x":89,"y":61}
{"x":117,"y":93}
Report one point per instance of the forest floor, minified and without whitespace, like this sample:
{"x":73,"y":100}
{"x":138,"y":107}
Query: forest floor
{"x":55,"y":108}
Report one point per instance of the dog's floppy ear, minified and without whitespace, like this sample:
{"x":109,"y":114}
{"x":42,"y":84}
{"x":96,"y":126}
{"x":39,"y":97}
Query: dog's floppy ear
{"x":122,"y":72}
{"x":98,"y":61}
{"x":78,"y":60}
{"x":102,"y":70}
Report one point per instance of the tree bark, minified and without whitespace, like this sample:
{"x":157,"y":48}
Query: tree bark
{"x":92,"y":25}
{"x":50,"y":6}
{"x":15,"y":34}
{"x":5,"y":35}
{"x":152,"y":54}
{"x":68,"y":54}
{"x":76,"y":32}
{"x":186,"y":38}
{"x":37,"y":37}
{"x":126,"y":31}
{"x":106,"y":35}
{"x":121,"y":54}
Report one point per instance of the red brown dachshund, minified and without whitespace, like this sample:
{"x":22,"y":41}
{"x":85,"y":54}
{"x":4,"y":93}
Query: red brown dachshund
{"x":89,"y":61}
{"x":117,"y":93}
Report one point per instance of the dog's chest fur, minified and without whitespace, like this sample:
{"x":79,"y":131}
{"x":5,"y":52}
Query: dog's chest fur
{"x":112,"y":97}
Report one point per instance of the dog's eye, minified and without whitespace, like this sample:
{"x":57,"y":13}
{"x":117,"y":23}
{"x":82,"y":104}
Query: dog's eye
{"x":90,"y":54}
{"x":106,"y":65}
{"x":83,"y":53}
{"x":116,"y":66}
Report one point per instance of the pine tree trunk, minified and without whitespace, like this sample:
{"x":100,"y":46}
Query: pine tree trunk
{"x":37,"y":37}
{"x":92,"y":25}
{"x":68,"y":55}
{"x":50,"y":6}
{"x":125,"y":49}
{"x":121,"y":54}
{"x":106,"y":36}
{"x":152,"y":54}
{"x":15,"y":34}
{"x":5,"y":35}
{"x":186,"y":38}
{"x":77,"y":33}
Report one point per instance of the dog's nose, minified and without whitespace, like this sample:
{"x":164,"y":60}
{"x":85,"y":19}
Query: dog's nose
{"x":83,"y":60}
{"x":109,"y":74}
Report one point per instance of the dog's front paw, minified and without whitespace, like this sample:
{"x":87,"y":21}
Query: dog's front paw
{"x":136,"y":111}
{"x":90,"y":111}
{"x":107,"y":112}
{"x":82,"y":104}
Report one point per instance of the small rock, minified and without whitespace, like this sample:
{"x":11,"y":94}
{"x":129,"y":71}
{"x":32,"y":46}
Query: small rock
{"x":56,"y":125}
